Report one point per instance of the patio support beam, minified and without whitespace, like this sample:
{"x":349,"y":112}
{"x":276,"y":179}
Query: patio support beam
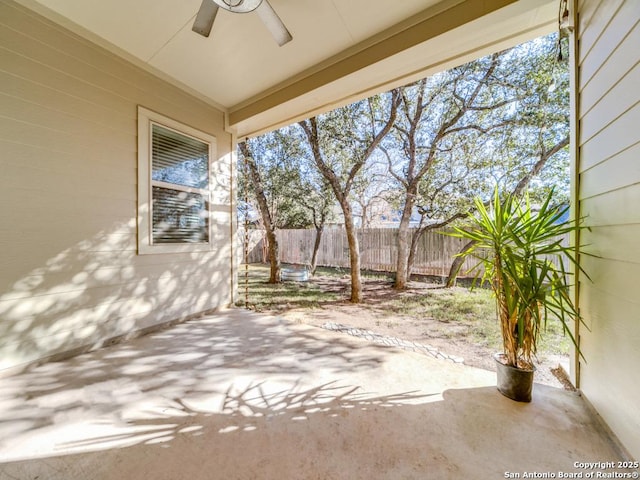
{"x":425,"y":26}
{"x":575,"y":214}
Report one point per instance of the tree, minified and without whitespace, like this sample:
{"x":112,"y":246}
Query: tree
{"x":454,"y":137}
{"x":341,"y":142}
{"x":275,"y":182}
{"x":459,"y":132}
{"x":433,"y":113}
{"x":319,"y":200}
{"x":263,"y":205}
{"x":370,"y":191}
{"x":518,"y":190}
{"x":444,"y":192}
{"x":541,"y":133}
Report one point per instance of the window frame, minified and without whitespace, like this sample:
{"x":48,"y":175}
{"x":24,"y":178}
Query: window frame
{"x":146,"y":119}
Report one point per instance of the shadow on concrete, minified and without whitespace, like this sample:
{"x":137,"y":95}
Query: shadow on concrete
{"x":242,"y":396}
{"x":194,"y":358}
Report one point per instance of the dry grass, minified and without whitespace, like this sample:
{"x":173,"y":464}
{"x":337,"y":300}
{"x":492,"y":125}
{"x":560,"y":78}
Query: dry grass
{"x":423,"y":310}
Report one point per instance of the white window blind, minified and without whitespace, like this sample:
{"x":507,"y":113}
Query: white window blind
{"x":174,"y":190}
{"x":180,"y":181}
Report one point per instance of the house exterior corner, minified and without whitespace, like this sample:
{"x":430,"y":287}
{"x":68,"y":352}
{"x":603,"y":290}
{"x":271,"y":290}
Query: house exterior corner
{"x":608,"y":193}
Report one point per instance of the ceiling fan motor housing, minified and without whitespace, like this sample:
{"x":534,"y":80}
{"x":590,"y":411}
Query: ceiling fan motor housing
{"x":239,"y":6}
{"x":209,"y":9}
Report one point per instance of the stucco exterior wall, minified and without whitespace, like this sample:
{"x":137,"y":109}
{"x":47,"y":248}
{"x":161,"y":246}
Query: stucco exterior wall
{"x":70,"y":274}
{"x":609,"y":193}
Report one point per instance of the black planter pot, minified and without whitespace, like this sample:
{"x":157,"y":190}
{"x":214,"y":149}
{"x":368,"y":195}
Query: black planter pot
{"x":513,"y":383}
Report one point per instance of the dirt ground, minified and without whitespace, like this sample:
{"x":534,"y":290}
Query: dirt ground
{"x":369,"y":315}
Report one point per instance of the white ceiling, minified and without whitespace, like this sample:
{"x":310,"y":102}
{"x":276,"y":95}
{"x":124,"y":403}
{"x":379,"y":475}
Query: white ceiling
{"x":241,"y":69}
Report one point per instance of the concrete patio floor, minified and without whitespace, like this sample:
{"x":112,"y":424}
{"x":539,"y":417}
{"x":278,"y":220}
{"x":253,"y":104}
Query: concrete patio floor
{"x":236,"y":395}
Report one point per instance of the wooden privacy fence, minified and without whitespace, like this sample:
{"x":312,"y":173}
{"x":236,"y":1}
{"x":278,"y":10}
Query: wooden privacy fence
{"x":378,"y":251}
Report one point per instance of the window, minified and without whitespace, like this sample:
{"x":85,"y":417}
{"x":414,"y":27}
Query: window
{"x":174,"y":185}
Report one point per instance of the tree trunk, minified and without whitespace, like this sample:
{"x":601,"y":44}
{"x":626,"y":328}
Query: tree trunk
{"x":342,"y":191}
{"x":402,"y":270}
{"x":316,"y":247}
{"x":274,"y":257}
{"x":457,"y":265}
{"x":263,"y":206}
{"x":413,"y":249}
{"x":354,"y":256}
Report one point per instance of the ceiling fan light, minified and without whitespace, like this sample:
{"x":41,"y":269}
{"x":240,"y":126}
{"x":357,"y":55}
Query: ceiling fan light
{"x":239,"y":6}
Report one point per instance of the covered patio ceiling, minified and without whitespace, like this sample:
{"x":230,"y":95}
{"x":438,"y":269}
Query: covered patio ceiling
{"x":342,"y":50}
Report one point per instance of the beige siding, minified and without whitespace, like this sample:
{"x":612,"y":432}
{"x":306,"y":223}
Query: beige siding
{"x":70,"y":275}
{"x":609,"y":193}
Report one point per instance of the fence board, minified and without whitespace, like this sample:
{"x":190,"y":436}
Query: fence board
{"x":378,"y":251}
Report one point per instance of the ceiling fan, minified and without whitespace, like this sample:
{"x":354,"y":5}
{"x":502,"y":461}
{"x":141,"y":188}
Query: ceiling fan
{"x":209,"y":9}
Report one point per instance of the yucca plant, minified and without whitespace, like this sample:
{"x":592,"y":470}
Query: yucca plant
{"x":525,"y":261}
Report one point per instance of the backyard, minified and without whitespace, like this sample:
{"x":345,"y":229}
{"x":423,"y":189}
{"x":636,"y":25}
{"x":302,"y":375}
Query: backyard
{"x":458,"y":322}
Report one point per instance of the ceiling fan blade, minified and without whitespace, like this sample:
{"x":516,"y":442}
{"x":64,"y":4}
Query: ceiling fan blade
{"x":273,"y":23}
{"x":205,"y":17}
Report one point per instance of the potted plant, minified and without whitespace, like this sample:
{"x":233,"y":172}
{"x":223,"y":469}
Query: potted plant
{"x":523,"y":257}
